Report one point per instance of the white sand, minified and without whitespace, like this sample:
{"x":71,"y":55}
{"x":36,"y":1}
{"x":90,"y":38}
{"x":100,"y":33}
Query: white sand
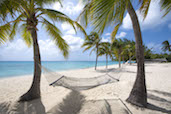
{"x":158,"y":79}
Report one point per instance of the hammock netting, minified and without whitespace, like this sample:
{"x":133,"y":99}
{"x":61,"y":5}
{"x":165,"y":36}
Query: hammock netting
{"x":78,"y":84}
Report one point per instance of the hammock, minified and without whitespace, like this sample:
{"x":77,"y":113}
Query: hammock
{"x":78,"y":84}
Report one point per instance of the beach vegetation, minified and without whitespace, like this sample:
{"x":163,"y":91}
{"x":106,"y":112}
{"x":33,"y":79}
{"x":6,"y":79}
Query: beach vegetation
{"x":105,"y":49}
{"x":92,"y":42}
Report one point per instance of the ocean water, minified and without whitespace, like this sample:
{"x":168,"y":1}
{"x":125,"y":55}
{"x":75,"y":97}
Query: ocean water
{"x":19,"y":68}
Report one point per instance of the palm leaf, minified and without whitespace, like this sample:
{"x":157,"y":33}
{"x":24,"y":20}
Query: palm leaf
{"x":55,"y":34}
{"x":165,"y":5}
{"x":4,"y":32}
{"x":26,"y":36}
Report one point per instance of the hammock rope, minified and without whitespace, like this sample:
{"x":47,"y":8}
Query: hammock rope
{"x":78,"y":84}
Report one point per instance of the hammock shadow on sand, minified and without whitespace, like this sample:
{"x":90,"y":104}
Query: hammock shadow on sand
{"x":32,"y":107}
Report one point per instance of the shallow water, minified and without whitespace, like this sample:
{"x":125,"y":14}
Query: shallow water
{"x":19,"y":68}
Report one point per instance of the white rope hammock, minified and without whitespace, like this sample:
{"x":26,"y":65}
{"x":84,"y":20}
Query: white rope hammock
{"x":78,"y":84}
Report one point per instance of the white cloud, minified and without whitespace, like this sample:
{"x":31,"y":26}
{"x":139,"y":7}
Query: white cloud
{"x":153,"y":19}
{"x":106,"y":39}
{"x":121,"y":35}
{"x":69,"y":7}
{"x":169,"y":25}
{"x":74,"y":42}
{"x":66,"y":26}
{"x":71,"y":31}
{"x":18,"y":50}
{"x":107,"y":34}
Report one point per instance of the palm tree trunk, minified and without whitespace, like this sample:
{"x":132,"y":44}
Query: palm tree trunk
{"x":34,"y":91}
{"x":138,"y":95}
{"x":119,"y":60}
{"x":130,"y":60}
{"x":106,"y":61}
{"x":96,"y":57}
{"x":123,"y":60}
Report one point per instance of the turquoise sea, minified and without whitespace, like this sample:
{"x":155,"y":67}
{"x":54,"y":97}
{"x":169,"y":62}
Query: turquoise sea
{"x":19,"y":68}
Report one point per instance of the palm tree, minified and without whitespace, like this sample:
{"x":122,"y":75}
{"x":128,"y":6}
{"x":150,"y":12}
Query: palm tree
{"x":105,"y":49}
{"x":166,"y":46}
{"x":101,"y":13}
{"x":29,"y":13}
{"x":130,"y":47}
{"x":117,"y":48}
{"x":92,"y":41}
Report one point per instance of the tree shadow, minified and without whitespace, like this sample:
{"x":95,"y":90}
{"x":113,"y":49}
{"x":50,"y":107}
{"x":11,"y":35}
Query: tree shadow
{"x":161,"y":101}
{"x":32,"y":107}
{"x":72,"y":104}
{"x":157,"y":108}
{"x":156,"y":98}
{"x":161,"y":92}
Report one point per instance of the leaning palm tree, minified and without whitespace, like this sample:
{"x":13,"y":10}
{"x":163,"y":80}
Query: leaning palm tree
{"x":105,"y":49}
{"x":92,"y":41}
{"x":28,"y":14}
{"x":101,"y":13}
{"x":166,"y":46}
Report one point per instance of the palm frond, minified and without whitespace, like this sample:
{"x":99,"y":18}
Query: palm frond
{"x":15,"y":26}
{"x":55,"y":33}
{"x":59,"y":16}
{"x":87,"y":48}
{"x":4,"y":32}
{"x":107,"y":12}
{"x":26,"y":36}
{"x":165,"y":5}
{"x":56,"y":16}
{"x":94,"y":49}
{"x":84,"y":16}
{"x":144,"y":7}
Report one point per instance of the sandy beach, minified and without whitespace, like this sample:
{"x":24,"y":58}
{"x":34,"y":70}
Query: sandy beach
{"x":59,"y":100}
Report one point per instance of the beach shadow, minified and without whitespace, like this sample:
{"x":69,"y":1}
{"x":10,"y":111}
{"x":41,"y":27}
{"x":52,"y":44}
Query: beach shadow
{"x":126,"y":71}
{"x":32,"y":107}
{"x":157,"y":108}
{"x":161,"y":92}
{"x":72,"y":104}
{"x":106,"y":70}
{"x":156,"y":98}
{"x":130,"y":72}
{"x":161,"y":100}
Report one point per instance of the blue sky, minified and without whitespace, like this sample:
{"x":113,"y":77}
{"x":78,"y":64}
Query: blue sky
{"x":155,"y":30}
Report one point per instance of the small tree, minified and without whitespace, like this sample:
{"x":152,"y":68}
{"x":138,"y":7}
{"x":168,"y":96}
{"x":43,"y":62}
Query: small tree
{"x":92,"y":41}
{"x":105,"y":49}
